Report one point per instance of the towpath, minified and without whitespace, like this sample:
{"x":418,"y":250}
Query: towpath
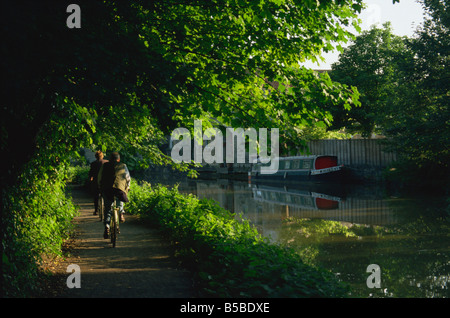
{"x":140,"y":266}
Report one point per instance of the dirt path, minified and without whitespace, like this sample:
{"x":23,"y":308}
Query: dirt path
{"x":139,"y":266}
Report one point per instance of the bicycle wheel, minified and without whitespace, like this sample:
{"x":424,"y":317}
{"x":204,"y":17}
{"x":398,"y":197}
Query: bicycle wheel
{"x":114,"y":228}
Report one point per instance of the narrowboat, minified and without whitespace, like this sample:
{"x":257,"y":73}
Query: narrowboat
{"x":299,"y":168}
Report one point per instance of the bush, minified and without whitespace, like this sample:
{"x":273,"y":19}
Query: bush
{"x":229,"y":256}
{"x":36,"y":219}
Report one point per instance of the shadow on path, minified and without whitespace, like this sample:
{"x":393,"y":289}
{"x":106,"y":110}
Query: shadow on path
{"x":140,"y":266}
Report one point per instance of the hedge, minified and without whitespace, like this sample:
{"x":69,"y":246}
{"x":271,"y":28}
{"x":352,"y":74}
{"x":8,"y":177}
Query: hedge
{"x":228,"y":255}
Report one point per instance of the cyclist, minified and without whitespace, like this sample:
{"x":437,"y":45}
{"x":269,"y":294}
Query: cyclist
{"x":114,"y":182}
{"x":93,"y":174}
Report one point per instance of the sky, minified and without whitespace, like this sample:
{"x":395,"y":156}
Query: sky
{"x":404,"y":17}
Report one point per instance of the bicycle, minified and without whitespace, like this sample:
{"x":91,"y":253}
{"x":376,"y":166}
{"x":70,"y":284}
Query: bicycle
{"x":114,"y":229}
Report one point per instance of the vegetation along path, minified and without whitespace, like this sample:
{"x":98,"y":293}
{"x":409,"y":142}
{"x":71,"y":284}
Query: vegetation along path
{"x":141,"y":264}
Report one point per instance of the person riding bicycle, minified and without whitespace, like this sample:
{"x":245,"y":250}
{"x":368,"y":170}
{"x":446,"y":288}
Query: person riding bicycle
{"x":114,"y":182}
{"x":93,"y":175}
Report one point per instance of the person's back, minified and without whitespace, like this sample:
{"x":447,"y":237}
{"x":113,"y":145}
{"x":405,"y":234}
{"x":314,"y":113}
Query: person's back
{"x":106,"y":179}
{"x":93,"y":175}
{"x":95,"y":168}
{"x":121,"y":181}
{"x":114,"y":182}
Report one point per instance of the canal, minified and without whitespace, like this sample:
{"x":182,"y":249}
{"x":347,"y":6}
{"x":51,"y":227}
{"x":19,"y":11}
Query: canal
{"x":347,"y":228}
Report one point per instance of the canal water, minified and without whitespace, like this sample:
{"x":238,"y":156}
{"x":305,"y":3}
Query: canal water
{"x":345,"y":229}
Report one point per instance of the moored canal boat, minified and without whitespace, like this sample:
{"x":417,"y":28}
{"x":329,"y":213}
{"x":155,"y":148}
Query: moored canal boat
{"x":300,"y":168}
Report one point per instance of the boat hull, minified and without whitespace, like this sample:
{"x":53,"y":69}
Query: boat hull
{"x":302,"y":169}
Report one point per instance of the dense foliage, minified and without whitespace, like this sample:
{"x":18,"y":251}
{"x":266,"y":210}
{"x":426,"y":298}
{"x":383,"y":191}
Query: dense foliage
{"x":404,"y":87}
{"x":229,"y":256}
{"x":370,"y":64}
{"x":38,"y":222}
{"x":137,"y":69}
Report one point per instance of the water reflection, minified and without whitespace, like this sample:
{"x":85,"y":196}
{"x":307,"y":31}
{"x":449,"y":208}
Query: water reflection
{"x":347,"y":229}
{"x":267,"y":205}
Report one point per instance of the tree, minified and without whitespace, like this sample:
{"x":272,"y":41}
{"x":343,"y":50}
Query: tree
{"x":137,"y":69}
{"x":370,"y":65}
{"x":404,"y":92}
{"x":420,"y":129}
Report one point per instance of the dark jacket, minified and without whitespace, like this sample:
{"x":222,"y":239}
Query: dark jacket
{"x":93,"y":173}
